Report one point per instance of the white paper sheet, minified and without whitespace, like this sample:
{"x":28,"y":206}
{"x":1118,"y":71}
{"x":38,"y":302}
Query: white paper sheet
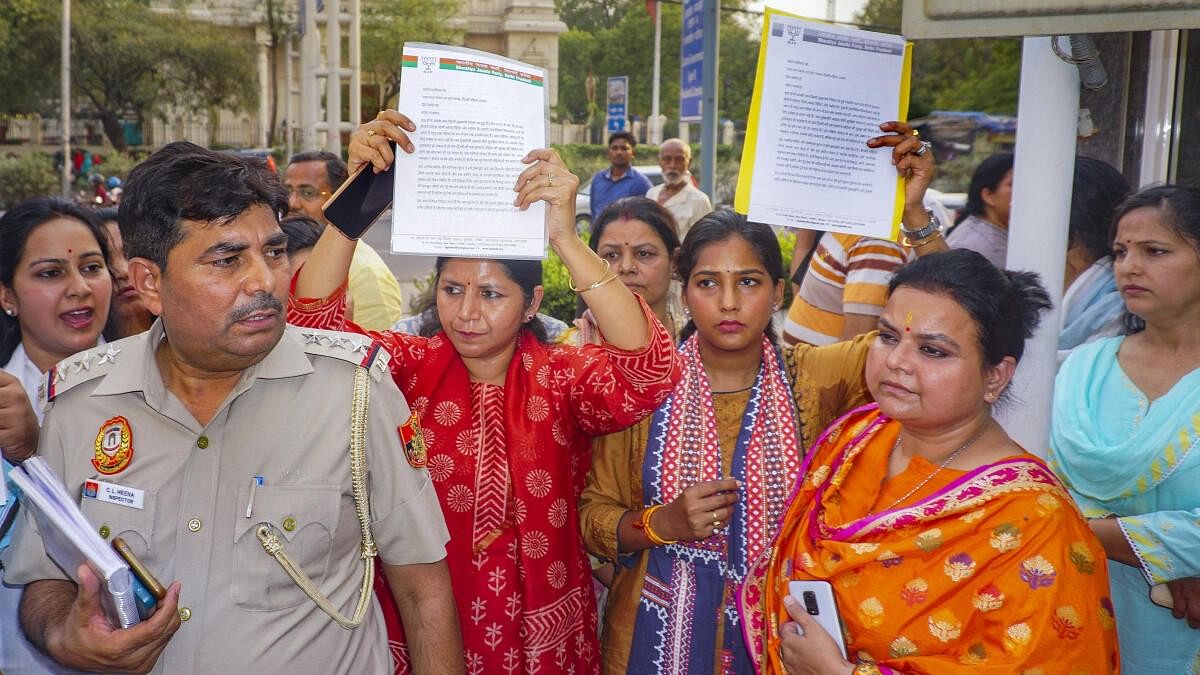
{"x":824,"y":92}
{"x":71,"y":540}
{"x":477,"y":115}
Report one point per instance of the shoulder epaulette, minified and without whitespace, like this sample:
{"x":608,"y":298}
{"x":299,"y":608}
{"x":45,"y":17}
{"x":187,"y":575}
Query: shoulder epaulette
{"x":77,"y":369}
{"x":360,"y":350}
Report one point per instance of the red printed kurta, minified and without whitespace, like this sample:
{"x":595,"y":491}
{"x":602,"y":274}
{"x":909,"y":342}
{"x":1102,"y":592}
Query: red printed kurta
{"x":508,"y":464}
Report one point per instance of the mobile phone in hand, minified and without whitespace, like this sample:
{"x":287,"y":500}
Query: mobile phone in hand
{"x":816,"y":598}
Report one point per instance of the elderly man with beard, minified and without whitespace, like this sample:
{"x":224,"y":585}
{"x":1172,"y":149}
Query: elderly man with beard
{"x":684,"y":200}
{"x":240,"y":443}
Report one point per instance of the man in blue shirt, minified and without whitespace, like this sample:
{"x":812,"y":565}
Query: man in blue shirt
{"x":620,"y":179}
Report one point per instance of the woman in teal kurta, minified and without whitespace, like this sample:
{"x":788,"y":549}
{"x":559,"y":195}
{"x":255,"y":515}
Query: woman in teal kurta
{"x":1126,"y":427}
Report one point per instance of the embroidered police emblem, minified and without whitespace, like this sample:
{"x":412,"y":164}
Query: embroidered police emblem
{"x":114,"y":446}
{"x":414,"y":442}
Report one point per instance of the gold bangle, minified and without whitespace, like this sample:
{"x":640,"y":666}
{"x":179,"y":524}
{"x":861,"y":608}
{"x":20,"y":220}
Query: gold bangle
{"x":866,"y":669}
{"x":650,"y":533}
{"x":604,"y":279}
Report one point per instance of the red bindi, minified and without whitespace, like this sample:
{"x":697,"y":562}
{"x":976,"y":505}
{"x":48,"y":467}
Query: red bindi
{"x":907,"y":329}
{"x":68,"y":251}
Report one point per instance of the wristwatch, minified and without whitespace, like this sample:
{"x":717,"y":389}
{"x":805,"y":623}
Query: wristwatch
{"x":915,"y":238}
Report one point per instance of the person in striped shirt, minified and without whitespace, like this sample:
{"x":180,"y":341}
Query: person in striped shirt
{"x":844,"y":289}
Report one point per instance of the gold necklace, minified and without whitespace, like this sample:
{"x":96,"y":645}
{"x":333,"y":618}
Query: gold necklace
{"x":936,"y":471}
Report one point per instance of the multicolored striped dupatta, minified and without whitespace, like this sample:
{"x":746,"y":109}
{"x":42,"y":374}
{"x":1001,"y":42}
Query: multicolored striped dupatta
{"x":690,"y":586}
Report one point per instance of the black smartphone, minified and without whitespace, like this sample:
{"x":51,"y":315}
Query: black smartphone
{"x":359,"y":202}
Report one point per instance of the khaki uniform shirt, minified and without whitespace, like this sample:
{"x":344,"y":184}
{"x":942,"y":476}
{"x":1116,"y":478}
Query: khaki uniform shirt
{"x":287,"y":420}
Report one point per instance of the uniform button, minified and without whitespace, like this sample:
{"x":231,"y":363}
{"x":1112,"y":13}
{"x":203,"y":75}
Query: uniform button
{"x":194,"y":525}
{"x":289,"y":524}
{"x":202,"y":442}
{"x":184,"y":613}
{"x":104,"y":531}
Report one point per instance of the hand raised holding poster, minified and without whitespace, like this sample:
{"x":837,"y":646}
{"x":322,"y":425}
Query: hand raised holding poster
{"x":475,"y":115}
{"x":821,"y":91}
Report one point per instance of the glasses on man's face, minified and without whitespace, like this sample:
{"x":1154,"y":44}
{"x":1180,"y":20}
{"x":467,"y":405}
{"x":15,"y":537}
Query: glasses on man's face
{"x":306,"y":193}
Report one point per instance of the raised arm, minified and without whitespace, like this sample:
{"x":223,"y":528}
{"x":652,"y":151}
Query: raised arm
{"x":329,"y":263}
{"x":618,"y":313}
{"x":917,"y":167}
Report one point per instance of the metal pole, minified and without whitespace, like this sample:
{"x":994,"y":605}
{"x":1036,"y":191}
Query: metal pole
{"x":66,"y":98}
{"x":655,"y":124}
{"x":708,"y":107}
{"x":1037,"y":235}
{"x":831,"y":10}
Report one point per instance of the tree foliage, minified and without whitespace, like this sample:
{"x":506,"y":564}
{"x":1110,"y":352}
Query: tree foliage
{"x":127,"y":60}
{"x":388,"y":24}
{"x":966,"y":74}
{"x":627,"y":48}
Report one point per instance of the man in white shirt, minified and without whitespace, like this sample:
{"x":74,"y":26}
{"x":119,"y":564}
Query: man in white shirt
{"x":684,"y":200}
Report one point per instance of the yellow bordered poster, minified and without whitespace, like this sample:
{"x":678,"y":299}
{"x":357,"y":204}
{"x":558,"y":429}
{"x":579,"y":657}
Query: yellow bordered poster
{"x":819,"y":92}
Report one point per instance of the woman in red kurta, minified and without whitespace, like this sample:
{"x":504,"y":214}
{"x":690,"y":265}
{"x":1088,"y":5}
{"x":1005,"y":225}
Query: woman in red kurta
{"x":507,"y":422}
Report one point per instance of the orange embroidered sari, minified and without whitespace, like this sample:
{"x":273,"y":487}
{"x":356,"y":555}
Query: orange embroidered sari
{"x":991,"y":570}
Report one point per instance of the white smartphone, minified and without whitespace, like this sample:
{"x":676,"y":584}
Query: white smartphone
{"x":816,"y":597}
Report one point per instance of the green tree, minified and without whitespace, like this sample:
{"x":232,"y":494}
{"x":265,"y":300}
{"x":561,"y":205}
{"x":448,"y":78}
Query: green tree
{"x":388,"y":24}
{"x":127,"y":60}
{"x":593,"y":15}
{"x":974,"y":74}
{"x":628,"y":49}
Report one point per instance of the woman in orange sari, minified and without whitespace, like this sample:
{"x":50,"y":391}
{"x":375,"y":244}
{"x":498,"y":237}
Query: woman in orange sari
{"x":947,"y":546}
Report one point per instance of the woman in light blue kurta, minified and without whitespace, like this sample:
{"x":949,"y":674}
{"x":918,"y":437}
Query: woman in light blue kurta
{"x":1126,"y":427}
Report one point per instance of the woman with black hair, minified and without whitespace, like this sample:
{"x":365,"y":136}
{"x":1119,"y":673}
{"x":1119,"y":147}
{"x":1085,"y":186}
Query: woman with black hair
{"x":982,"y":225}
{"x":638,"y":237}
{"x":55,"y":292}
{"x":1126,"y":426}
{"x":685,"y":501}
{"x":508,"y":419}
{"x":1091,"y":303}
{"x":128,"y":315}
{"x":946,"y":546}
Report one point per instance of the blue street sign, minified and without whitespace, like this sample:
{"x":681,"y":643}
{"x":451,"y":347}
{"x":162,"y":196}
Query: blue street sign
{"x":691,"y":61}
{"x":618,"y":94}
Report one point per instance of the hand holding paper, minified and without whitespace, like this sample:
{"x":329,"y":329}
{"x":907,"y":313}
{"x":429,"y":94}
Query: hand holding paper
{"x":82,"y":637}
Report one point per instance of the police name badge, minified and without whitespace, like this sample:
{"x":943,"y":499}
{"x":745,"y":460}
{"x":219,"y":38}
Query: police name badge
{"x":414,"y":442}
{"x":114,"y":446}
{"x":114,"y":494}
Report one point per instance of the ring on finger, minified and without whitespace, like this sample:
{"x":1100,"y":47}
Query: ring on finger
{"x":550,"y":180}
{"x":371,"y":132}
{"x":925,"y":146}
{"x":916,"y":133}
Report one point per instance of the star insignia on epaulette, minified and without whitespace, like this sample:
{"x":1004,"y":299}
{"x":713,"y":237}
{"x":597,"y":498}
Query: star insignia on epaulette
{"x":109,"y":355}
{"x":82,"y":364}
{"x":312,"y":339}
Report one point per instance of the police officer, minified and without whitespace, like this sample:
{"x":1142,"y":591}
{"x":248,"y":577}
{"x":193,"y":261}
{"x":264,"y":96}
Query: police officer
{"x":218,"y":446}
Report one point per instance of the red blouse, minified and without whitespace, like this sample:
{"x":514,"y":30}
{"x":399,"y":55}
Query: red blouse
{"x":508,"y":464}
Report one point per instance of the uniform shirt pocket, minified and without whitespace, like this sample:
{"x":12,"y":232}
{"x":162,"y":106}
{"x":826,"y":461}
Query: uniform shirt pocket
{"x":135,"y":526}
{"x":305,"y":518}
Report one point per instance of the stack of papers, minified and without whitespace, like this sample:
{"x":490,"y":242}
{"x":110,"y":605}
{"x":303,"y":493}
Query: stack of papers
{"x":71,"y":540}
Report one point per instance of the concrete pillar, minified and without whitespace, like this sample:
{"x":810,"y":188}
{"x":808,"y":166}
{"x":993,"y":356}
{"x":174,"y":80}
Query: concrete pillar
{"x":1037,"y":234}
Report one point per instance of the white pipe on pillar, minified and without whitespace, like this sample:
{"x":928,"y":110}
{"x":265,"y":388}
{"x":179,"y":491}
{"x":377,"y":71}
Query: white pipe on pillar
{"x":1037,"y":235}
{"x":355,"y":63}
{"x":66,"y":99}
{"x":310,"y":95}
{"x":333,"y":81}
{"x":655,"y":123}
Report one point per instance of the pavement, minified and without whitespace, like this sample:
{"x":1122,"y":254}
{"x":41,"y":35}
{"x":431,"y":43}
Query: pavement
{"x":407,"y":268}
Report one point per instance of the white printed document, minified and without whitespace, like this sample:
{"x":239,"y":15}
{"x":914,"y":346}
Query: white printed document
{"x":820,"y":93}
{"x":71,"y":540}
{"x":477,"y":115}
